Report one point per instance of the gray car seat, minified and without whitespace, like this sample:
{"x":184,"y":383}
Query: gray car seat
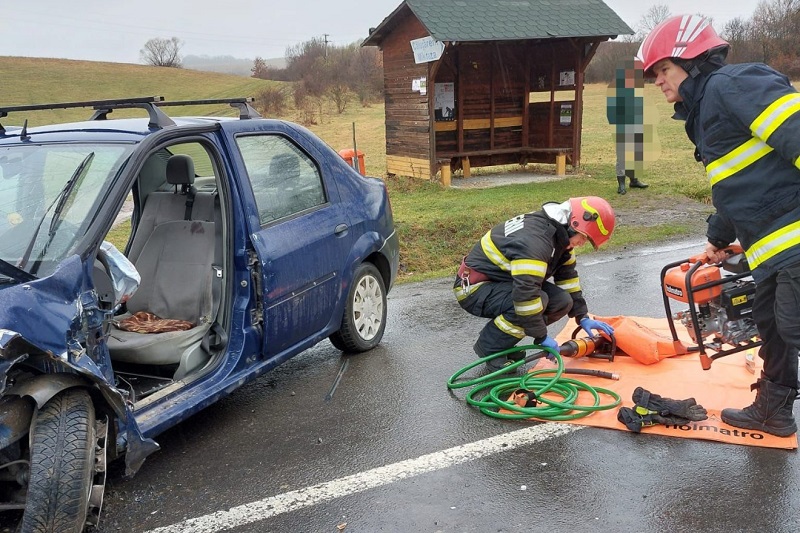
{"x":174,"y":258}
{"x":176,"y":267}
{"x":165,"y":206}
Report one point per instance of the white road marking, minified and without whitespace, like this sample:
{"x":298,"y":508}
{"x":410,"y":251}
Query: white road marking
{"x":308,"y":496}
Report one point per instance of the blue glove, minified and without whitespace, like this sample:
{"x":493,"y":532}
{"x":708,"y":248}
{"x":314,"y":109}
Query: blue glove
{"x":548,"y":342}
{"x":588,"y":325}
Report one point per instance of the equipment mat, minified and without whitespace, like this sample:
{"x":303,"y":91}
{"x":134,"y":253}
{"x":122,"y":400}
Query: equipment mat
{"x":725,"y":384}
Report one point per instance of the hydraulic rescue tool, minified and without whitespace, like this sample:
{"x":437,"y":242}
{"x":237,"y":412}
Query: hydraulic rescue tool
{"x":720,"y":306}
{"x":596,"y":346}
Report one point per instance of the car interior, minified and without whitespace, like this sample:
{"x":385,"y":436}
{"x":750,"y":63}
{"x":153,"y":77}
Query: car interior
{"x":175,"y":244}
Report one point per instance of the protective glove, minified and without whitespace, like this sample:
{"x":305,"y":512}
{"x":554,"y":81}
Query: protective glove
{"x":666,"y":407}
{"x":639,"y":417}
{"x":588,"y":325}
{"x":548,"y":342}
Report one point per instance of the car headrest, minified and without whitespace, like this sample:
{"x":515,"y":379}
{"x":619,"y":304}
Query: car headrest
{"x":180,"y":170}
{"x":286,"y":166}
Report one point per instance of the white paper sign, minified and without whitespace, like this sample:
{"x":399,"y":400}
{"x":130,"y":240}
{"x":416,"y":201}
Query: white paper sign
{"x":426,"y":49}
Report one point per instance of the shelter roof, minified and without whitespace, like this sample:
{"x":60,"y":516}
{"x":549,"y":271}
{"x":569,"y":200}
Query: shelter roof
{"x":505,"y":20}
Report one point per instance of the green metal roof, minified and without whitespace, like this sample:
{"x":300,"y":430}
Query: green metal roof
{"x":501,"y":20}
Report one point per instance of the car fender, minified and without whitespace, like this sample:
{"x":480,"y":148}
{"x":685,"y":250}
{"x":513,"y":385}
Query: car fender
{"x":366,"y":245}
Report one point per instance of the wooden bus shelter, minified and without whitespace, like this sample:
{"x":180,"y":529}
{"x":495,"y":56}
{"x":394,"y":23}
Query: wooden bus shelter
{"x":470,"y":83}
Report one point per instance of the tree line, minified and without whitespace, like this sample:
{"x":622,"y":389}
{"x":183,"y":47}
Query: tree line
{"x":769,"y":36}
{"x":322,"y":72}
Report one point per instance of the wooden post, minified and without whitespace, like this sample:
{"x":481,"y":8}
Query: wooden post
{"x":465,"y":166}
{"x":561,"y":164}
{"x":445,"y":168}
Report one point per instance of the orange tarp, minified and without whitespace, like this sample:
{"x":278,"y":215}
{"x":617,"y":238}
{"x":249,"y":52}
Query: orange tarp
{"x":725,"y":384}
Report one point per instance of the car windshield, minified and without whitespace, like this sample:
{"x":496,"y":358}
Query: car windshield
{"x":48,"y":195}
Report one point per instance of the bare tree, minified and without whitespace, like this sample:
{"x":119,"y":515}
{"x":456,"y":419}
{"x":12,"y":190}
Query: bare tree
{"x":260,"y":69}
{"x":161,"y":52}
{"x":744,"y":48}
{"x":652,"y":18}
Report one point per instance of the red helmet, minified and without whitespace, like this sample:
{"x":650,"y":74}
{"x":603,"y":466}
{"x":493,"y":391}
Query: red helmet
{"x":592,"y":216}
{"x":683,"y":36}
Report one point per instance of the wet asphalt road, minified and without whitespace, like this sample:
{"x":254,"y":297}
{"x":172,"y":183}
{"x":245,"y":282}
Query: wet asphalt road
{"x":294,"y":429}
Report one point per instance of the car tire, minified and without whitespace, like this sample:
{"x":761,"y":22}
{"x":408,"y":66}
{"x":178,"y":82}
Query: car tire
{"x":364,"y":317}
{"x":62,"y":464}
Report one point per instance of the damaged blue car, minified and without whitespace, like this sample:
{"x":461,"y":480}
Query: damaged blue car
{"x":150,"y":266}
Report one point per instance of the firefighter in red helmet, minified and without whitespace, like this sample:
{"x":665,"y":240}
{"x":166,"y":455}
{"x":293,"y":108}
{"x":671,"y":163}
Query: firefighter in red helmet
{"x":506,"y":275}
{"x":744,"y":121}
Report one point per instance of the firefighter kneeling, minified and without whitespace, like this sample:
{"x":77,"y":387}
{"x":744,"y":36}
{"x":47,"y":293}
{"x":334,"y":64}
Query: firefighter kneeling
{"x":505,"y":275}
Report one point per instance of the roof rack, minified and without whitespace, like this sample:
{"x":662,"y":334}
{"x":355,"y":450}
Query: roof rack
{"x":158,"y":119}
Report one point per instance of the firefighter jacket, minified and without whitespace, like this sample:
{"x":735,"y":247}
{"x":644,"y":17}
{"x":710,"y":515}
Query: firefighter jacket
{"x":527,"y":250}
{"x":744,"y":121}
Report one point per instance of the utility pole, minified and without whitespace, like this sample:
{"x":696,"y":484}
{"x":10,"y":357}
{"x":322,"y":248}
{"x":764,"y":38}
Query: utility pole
{"x":325,"y":42}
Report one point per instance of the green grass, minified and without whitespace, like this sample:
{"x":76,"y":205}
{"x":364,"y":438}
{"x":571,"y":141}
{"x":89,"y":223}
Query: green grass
{"x":436,"y":226}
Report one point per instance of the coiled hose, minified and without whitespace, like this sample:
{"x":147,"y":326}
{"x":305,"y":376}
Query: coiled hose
{"x":534,"y":385}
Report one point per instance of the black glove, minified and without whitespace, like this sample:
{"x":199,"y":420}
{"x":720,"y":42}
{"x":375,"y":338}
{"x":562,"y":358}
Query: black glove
{"x":665,"y":407}
{"x":640,"y":417}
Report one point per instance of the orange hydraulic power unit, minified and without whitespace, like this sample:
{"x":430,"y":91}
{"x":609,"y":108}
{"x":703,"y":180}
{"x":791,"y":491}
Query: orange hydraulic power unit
{"x":719,"y":299}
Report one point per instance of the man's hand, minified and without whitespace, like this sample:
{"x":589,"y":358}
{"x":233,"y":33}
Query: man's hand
{"x":714,"y":254}
{"x":548,"y":342}
{"x":588,"y":325}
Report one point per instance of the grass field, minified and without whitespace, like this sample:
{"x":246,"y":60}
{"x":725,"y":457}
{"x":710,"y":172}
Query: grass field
{"x":436,"y":226}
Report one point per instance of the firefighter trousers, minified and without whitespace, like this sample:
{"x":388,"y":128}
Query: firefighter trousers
{"x":776,"y":311}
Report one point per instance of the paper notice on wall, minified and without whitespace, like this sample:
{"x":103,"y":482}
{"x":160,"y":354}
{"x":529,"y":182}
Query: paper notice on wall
{"x":444,"y":101}
{"x":566,"y":77}
{"x":566,"y":114}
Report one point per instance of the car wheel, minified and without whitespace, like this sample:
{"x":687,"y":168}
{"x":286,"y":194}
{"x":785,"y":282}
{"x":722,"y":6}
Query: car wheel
{"x":62,"y":464}
{"x":365,"y":312}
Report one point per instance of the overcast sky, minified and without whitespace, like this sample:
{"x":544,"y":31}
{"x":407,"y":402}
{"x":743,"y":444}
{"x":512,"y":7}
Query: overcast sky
{"x":116,"y":30}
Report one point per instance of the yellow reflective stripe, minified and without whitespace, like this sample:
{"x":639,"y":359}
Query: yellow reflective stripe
{"x":592,"y":210}
{"x":462,"y":292}
{"x":569,"y":285}
{"x":528,"y":267}
{"x":571,"y":260}
{"x":530,"y":307}
{"x":737,"y":159}
{"x":508,"y":328}
{"x":773,"y":244}
{"x":775,"y":115}
{"x":493,"y":253}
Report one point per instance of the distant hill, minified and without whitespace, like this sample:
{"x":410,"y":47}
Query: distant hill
{"x":228,"y":64}
{"x":29,"y":80}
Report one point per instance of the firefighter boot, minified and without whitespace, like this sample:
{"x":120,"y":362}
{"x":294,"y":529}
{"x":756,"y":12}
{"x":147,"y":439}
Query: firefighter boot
{"x":635,"y":183}
{"x":771,"y":412}
{"x":621,"y":182}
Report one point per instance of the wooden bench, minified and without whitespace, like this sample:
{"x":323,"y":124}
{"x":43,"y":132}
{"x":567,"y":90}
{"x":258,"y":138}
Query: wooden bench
{"x":444,"y":158}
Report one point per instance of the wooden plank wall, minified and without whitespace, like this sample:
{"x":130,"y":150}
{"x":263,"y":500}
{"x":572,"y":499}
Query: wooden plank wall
{"x":407,"y":116}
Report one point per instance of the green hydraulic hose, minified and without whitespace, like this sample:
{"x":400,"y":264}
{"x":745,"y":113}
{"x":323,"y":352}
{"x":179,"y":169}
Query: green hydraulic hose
{"x":535,"y":384}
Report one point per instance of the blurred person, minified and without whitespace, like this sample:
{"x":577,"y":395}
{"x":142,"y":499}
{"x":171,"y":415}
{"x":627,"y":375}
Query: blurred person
{"x":744,"y":122}
{"x":625,"y":110}
{"x":505,"y":275}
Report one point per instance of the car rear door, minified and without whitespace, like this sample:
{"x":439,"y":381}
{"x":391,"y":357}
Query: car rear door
{"x":302,"y":236}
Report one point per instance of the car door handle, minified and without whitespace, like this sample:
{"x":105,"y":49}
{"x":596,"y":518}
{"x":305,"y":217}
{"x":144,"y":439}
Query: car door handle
{"x":340,"y":230}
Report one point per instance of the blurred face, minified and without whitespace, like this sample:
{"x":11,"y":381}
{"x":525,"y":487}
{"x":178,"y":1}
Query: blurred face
{"x":669,"y":77}
{"x":577,"y":240}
